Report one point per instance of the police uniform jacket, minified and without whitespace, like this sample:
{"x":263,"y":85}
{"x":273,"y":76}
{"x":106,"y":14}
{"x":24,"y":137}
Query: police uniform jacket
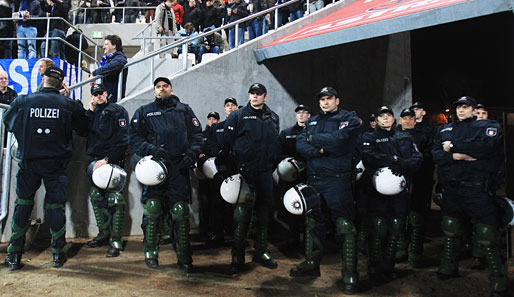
{"x":336,"y":133}
{"x":166,"y":123}
{"x":108,"y":132}
{"x":111,"y":71}
{"x":478,"y":139}
{"x":213,"y":138}
{"x":43,"y":122}
{"x":252,"y":135}
{"x":288,"y":141}
{"x":383,"y":148}
{"x":423,"y":135}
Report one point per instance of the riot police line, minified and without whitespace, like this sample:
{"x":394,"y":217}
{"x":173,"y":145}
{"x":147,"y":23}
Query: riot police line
{"x":360,"y":181}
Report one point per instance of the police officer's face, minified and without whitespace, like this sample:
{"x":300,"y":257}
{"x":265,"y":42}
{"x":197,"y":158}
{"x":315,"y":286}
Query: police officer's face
{"x":482,"y":114}
{"x":420,"y":113}
{"x":328,"y":103}
{"x":408,"y":122}
{"x":108,"y":47}
{"x":385,"y":120}
{"x":229,"y":108}
{"x":4,"y":80}
{"x":162,"y":90}
{"x":211,"y":120}
{"x":302,"y":116}
{"x":257,"y":99}
{"x":373,"y":124}
{"x":465,"y":111}
{"x":99,"y":98}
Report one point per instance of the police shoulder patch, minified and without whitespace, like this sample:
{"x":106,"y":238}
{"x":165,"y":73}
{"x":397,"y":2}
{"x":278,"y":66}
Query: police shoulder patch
{"x":491,"y":131}
{"x":196,"y":122}
{"x":123,"y":122}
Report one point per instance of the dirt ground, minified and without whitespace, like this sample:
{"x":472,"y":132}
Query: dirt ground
{"x":89,"y":273}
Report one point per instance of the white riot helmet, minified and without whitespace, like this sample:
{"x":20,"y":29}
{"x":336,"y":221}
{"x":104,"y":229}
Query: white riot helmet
{"x":301,"y":199}
{"x":209,"y":168}
{"x":289,"y":169}
{"x":150,"y":172}
{"x":235,"y":190}
{"x":275,"y":177}
{"x":109,"y":177}
{"x":506,"y":211}
{"x":386,"y":183}
{"x":359,"y":170}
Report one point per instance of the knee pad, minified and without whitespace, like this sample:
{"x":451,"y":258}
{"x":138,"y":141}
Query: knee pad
{"x":486,"y":234}
{"x":115,"y":199}
{"x":241,"y":213}
{"x":344,"y":226}
{"x":95,"y":194}
{"x":397,"y":226}
{"x":180,"y":211}
{"x":153,"y":208}
{"x":451,"y":226}
{"x":415,"y":218}
{"x":378,"y":226}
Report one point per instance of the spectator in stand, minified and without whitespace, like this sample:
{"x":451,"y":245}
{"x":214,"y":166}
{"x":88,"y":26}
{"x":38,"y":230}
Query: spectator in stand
{"x":43,"y":65}
{"x":189,"y":31}
{"x":179,"y":15}
{"x":118,"y":13}
{"x":193,"y":14}
{"x":27,"y":29}
{"x":131,"y":14}
{"x":295,"y":10}
{"x":150,"y":13}
{"x":97,"y":15}
{"x":282,"y":13}
{"x":255,"y":27}
{"x":316,"y":5}
{"x":7,"y":94}
{"x":212,"y":44}
{"x":165,"y":24}
{"x":58,"y":28}
{"x":111,"y":65}
{"x":212,"y":15}
{"x":6,"y":30}
{"x":236,"y":11}
{"x":72,"y":55}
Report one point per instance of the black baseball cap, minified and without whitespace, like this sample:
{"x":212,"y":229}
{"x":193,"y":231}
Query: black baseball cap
{"x":97,"y":88}
{"x":417,"y":104}
{"x":54,"y":72}
{"x":302,"y":107}
{"x":327,"y":91}
{"x":213,"y":114}
{"x":468,"y":100}
{"x":372,"y":117}
{"x":481,"y":106}
{"x":384,"y":109}
{"x":231,"y":100}
{"x":407,"y":112}
{"x":258,"y":87}
{"x":164,"y":79}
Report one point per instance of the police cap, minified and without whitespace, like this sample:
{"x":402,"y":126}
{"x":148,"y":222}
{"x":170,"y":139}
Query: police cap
{"x":97,"y":88}
{"x":302,"y":107}
{"x":481,"y":106}
{"x":231,"y":100}
{"x":417,"y":104}
{"x":384,"y":109}
{"x":327,"y":91}
{"x":372,"y":117}
{"x":259,"y":88}
{"x":164,"y":79}
{"x":468,"y":100}
{"x":54,"y":72}
{"x":213,"y":114}
{"x":407,"y":112}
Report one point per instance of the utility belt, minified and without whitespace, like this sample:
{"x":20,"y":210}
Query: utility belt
{"x":482,"y":186}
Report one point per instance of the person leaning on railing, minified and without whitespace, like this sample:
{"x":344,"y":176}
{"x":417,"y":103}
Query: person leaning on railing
{"x":58,"y":28}
{"x":26,"y":28}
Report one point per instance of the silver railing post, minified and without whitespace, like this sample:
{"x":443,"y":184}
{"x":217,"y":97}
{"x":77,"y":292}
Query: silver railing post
{"x":184,"y":56}
{"x":236,"y":42}
{"x":47,"y":45}
{"x":276,"y":18}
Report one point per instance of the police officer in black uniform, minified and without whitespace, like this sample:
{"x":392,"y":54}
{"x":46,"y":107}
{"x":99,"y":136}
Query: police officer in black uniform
{"x":107,"y":143}
{"x":328,"y":143}
{"x":288,"y":149}
{"x":42,"y":123}
{"x":465,"y":152}
{"x":387,"y":147}
{"x":250,"y":138}
{"x":168,"y":130}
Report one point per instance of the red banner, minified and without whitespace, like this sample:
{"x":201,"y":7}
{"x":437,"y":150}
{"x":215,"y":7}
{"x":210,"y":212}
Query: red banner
{"x":363,"y":12}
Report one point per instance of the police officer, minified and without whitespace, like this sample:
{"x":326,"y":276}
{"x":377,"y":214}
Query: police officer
{"x":481,"y":112}
{"x":328,"y":143}
{"x":107,"y":143}
{"x":42,"y":123}
{"x":288,"y":149}
{"x":168,"y":130}
{"x":386,"y":147}
{"x":465,"y":152}
{"x":250,"y":137}
{"x":422,"y":182}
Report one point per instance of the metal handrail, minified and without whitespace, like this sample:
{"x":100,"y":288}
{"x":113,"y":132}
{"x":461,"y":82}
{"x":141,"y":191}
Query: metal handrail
{"x":6,"y":169}
{"x":78,"y":9}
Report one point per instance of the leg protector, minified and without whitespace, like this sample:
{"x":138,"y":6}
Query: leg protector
{"x":346,"y":228}
{"x":261,"y":236}
{"x":152,"y":212}
{"x":57,"y":226}
{"x":416,"y":236}
{"x":451,"y":228}
{"x":102,"y":215}
{"x":362,"y":242}
{"x":242,"y":216}
{"x":180,"y":216}
{"x":116,"y":200}
{"x":396,"y":228}
{"x":378,"y":228}
{"x":489,"y":237}
{"x":18,"y":231}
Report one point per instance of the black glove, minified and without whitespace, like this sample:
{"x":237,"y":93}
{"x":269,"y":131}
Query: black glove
{"x":399,"y":166}
{"x":187,"y":161}
{"x":227,"y":160}
{"x":160,"y":153}
{"x":309,"y":137}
